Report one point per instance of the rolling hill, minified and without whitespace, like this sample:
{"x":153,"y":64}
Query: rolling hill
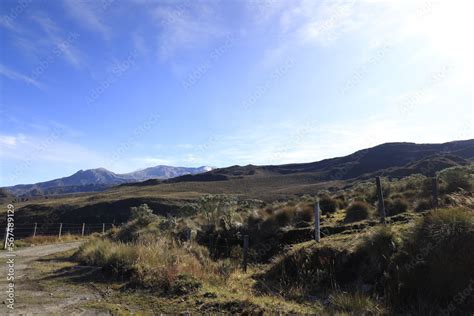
{"x":390,"y":159}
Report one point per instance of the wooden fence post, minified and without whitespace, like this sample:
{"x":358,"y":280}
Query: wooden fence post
{"x":103,"y":228}
{"x":60,"y":229}
{"x":246,"y":252}
{"x":34,"y":230}
{"x":317,"y":226}
{"x":435,"y":192}
{"x":83,"y":228}
{"x":380,"y":204}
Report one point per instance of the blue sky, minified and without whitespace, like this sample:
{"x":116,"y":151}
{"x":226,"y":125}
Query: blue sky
{"x":131,"y":84}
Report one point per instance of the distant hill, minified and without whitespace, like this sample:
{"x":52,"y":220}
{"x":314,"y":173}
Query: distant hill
{"x":390,"y":159}
{"x":93,"y":180}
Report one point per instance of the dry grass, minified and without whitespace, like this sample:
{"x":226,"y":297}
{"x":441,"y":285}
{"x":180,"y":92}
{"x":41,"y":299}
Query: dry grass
{"x":354,"y":304}
{"x":161,"y":263}
{"x":41,"y":240}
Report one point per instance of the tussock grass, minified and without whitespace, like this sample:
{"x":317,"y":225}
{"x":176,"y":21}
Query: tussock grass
{"x":162,"y":264}
{"x":396,"y":206}
{"x":435,"y":263}
{"x":357,"y":211}
{"x":328,"y":204}
{"x":354,"y":304}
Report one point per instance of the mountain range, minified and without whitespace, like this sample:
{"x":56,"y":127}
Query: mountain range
{"x":99,"y":179}
{"x":389,"y":159}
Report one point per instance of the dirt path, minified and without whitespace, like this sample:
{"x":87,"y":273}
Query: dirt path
{"x":36,"y":290}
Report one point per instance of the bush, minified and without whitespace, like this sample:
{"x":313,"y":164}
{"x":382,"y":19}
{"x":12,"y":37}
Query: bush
{"x":456,"y":178}
{"x":284,"y":216}
{"x":304,"y":212}
{"x":357,"y":211}
{"x":423,"y":205}
{"x":328,"y":204}
{"x":434,"y":266}
{"x":395,"y":206}
{"x":143,"y":214}
{"x":373,"y":255}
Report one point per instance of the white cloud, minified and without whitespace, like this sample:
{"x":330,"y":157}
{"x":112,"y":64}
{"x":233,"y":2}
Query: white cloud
{"x":45,"y":148}
{"x":14,"y":75}
{"x":6,"y":140}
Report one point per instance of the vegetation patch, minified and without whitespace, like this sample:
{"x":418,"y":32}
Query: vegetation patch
{"x":357,"y":211}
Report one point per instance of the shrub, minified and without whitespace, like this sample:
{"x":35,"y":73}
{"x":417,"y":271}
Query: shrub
{"x":423,"y":205}
{"x":357,"y":211}
{"x":341,"y":202}
{"x":435,"y":263}
{"x":284,"y":216}
{"x":456,"y":178}
{"x":143,"y":214}
{"x":374,"y":253}
{"x":304,"y":212}
{"x":328,"y":204}
{"x":395,"y":206}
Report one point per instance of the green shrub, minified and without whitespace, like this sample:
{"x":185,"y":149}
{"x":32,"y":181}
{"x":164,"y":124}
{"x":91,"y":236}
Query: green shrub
{"x":455,"y":179}
{"x":357,"y":211}
{"x":143,"y":214}
{"x":328,"y":204}
{"x":395,"y":206}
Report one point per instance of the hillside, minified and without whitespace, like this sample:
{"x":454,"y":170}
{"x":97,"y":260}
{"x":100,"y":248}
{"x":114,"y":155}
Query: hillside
{"x":366,"y":162}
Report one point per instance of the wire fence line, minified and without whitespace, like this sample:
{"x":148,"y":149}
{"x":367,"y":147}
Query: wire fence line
{"x":26,"y":230}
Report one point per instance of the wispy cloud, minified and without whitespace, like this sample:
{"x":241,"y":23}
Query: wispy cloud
{"x":188,"y":25}
{"x":56,"y":40}
{"x":88,"y":15}
{"x":14,"y":75}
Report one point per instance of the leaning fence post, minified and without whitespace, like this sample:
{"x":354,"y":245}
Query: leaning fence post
{"x":317,"y":226}
{"x":6,"y":238}
{"x":103,"y":228}
{"x":380,"y":204}
{"x":246,"y":252}
{"x":83,"y":228}
{"x":34,"y":230}
{"x":60,"y":229}
{"x":435,"y":192}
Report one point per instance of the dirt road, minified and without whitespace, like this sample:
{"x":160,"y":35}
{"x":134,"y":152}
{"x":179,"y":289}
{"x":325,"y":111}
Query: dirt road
{"x":36,"y":290}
